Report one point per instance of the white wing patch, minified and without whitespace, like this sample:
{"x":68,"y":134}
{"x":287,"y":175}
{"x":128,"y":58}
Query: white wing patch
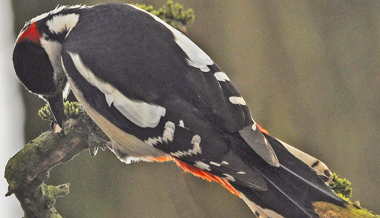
{"x":221,"y":76}
{"x":197,"y":57}
{"x":167,"y":136}
{"x":237,"y":100}
{"x":181,"y":124}
{"x":218,"y":164}
{"x":229,"y":177}
{"x":215,"y":163}
{"x":196,"y":140}
{"x":202,"y":165}
{"x":140,"y":113}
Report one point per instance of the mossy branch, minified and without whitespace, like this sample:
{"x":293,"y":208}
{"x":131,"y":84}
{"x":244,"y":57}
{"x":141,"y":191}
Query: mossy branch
{"x":29,"y":168}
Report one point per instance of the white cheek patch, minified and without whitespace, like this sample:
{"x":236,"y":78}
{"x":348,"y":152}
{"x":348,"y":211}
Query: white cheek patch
{"x":197,"y":57}
{"x":140,"y":113}
{"x":53,"y":50}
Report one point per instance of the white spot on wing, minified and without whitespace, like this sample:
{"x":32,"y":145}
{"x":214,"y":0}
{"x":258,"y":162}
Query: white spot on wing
{"x":241,"y":172}
{"x":153,"y":141}
{"x":140,"y":113}
{"x":266,"y":141}
{"x":221,"y":76}
{"x":202,"y":165}
{"x":168,"y":135}
{"x":224,"y":162}
{"x":181,"y":124}
{"x":197,"y":57}
{"x":237,"y":100}
{"x":229,"y":177}
{"x":254,"y":127}
{"x":196,"y":140}
{"x":215,"y":164}
{"x":168,"y":132}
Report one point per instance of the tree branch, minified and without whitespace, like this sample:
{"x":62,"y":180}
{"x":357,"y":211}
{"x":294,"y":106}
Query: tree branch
{"x":29,"y":168}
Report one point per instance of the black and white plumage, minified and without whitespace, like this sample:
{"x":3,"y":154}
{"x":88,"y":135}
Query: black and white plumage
{"x":136,"y":75}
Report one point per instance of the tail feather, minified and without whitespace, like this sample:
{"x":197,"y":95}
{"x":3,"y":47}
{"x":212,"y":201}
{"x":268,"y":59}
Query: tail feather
{"x":258,"y":211}
{"x":318,"y":166}
{"x":292,"y":187}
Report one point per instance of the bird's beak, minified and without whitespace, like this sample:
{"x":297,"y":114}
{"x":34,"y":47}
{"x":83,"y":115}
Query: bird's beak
{"x":56,"y":106}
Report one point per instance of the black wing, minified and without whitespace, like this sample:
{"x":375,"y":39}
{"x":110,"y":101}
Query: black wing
{"x":144,"y":61}
{"x":152,"y":82}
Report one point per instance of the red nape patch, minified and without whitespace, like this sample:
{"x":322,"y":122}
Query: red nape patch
{"x":262,"y":129}
{"x":30,"y":33}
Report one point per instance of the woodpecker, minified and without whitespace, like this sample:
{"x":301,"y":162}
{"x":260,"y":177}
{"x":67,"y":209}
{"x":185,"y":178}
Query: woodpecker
{"x":138,"y":78}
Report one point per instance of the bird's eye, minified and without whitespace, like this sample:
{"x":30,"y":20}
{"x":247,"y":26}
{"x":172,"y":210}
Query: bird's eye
{"x":60,"y":81}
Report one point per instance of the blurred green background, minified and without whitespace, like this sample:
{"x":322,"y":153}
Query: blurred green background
{"x":309,"y":71}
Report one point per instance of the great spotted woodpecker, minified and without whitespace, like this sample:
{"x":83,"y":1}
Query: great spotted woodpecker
{"x":138,"y":77}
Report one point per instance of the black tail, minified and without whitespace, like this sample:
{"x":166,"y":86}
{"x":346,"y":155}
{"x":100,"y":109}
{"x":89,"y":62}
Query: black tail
{"x":292,"y":187}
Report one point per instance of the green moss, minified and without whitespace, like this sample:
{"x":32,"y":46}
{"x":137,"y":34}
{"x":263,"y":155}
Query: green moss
{"x":325,"y":209}
{"x":71,"y":110}
{"x":45,"y":113}
{"x":341,"y":187}
{"x":172,"y":14}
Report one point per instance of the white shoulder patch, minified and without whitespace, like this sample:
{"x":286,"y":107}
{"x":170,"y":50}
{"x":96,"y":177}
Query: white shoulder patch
{"x":140,"y":113}
{"x":197,"y":57}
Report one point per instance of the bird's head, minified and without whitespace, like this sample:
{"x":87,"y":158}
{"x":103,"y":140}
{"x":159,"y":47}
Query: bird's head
{"x":37,"y":60}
